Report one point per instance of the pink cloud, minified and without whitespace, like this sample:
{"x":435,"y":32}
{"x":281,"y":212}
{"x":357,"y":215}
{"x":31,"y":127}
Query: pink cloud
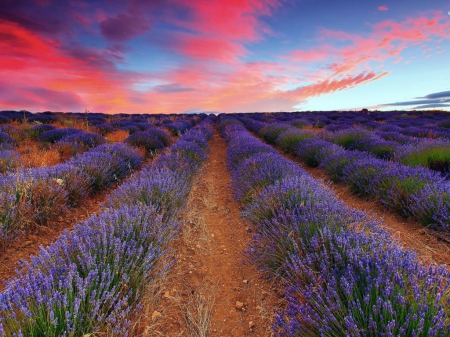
{"x":382,"y":8}
{"x":333,"y":85}
{"x":207,"y":48}
{"x":229,"y":19}
{"x":315,"y":54}
{"x":386,"y":41}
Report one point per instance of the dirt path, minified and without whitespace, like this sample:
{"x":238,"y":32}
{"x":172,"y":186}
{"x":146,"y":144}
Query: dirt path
{"x":409,"y":233}
{"x":209,"y":279}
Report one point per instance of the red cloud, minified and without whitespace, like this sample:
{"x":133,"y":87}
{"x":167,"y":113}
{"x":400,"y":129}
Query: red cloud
{"x":382,"y":8}
{"x":229,"y":19}
{"x":206,"y":48}
{"x":53,"y":77}
{"x":332,"y":85}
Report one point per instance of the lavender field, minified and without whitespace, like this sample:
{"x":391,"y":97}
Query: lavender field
{"x":333,"y":269}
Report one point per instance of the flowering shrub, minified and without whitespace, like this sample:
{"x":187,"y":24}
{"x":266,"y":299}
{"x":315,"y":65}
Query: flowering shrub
{"x":271,"y":132}
{"x":335,"y":164}
{"x":147,"y":141}
{"x":300,"y":123}
{"x":394,"y":136}
{"x":6,"y":142}
{"x":104,"y":128}
{"x":178,"y":127}
{"x":157,"y":187}
{"x":163,"y":136}
{"x":89,"y":279}
{"x":9,"y":129}
{"x":341,"y":273}
{"x":87,"y":140}
{"x":52,"y":136}
{"x":35,"y":196}
{"x":102,"y":168}
{"x":346,"y":138}
{"x":380,"y":148}
{"x":434,"y":154}
{"x":398,"y":185}
{"x":74,"y":179}
{"x":252,"y":124}
{"x":314,"y":151}
{"x":93,"y":279}
{"x":9,"y":161}
{"x":36,"y":131}
{"x":363,"y":175}
{"x":130,"y":128}
{"x":258,"y":171}
{"x":288,"y":140}
{"x":189,"y":149}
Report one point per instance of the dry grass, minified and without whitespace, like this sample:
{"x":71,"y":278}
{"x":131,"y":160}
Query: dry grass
{"x":197,"y":310}
{"x":147,"y":324}
{"x":34,"y":154}
{"x":70,"y":122}
{"x":117,"y":136}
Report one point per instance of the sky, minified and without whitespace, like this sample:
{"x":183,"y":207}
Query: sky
{"x":192,"y":56}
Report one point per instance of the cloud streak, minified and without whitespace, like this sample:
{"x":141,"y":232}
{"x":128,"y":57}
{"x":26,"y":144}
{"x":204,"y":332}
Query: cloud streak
{"x":433,"y":100}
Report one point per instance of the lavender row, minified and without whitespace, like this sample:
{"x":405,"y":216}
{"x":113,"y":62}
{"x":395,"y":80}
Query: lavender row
{"x":382,"y":136}
{"x":411,"y":191}
{"x":92,"y":281}
{"x":393,"y":146}
{"x":340,"y":272}
{"x":68,"y":141}
{"x":408,"y":124}
{"x":38,"y":195}
{"x":430,"y":153}
{"x":97,"y":122}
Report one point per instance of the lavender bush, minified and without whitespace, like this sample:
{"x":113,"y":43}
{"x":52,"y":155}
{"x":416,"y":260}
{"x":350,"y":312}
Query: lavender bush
{"x":288,"y":140}
{"x":36,"y":131}
{"x":341,"y":273}
{"x":6,"y":142}
{"x":9,"y":161}
{"x":88,"y":281}
{"x":434,"y":154}
{"x":314,"y":151}
{"x":147,"y":141}
{"x":52,"y":136}
{"x":91,"y":281}
{"x":87,"y":140}
{"x":271,"y":132}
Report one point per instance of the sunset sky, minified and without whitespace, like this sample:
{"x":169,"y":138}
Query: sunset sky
{"x":175,"y":56}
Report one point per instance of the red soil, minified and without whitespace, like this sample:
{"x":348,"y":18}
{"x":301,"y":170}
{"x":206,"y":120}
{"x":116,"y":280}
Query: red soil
{"x":210,"y":263}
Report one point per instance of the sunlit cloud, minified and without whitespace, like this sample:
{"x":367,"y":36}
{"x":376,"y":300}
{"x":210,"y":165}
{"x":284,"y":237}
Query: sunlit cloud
{"x":80,"y":55}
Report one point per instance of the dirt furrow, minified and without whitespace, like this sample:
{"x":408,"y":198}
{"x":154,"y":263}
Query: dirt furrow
{"x":210,"y":280}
